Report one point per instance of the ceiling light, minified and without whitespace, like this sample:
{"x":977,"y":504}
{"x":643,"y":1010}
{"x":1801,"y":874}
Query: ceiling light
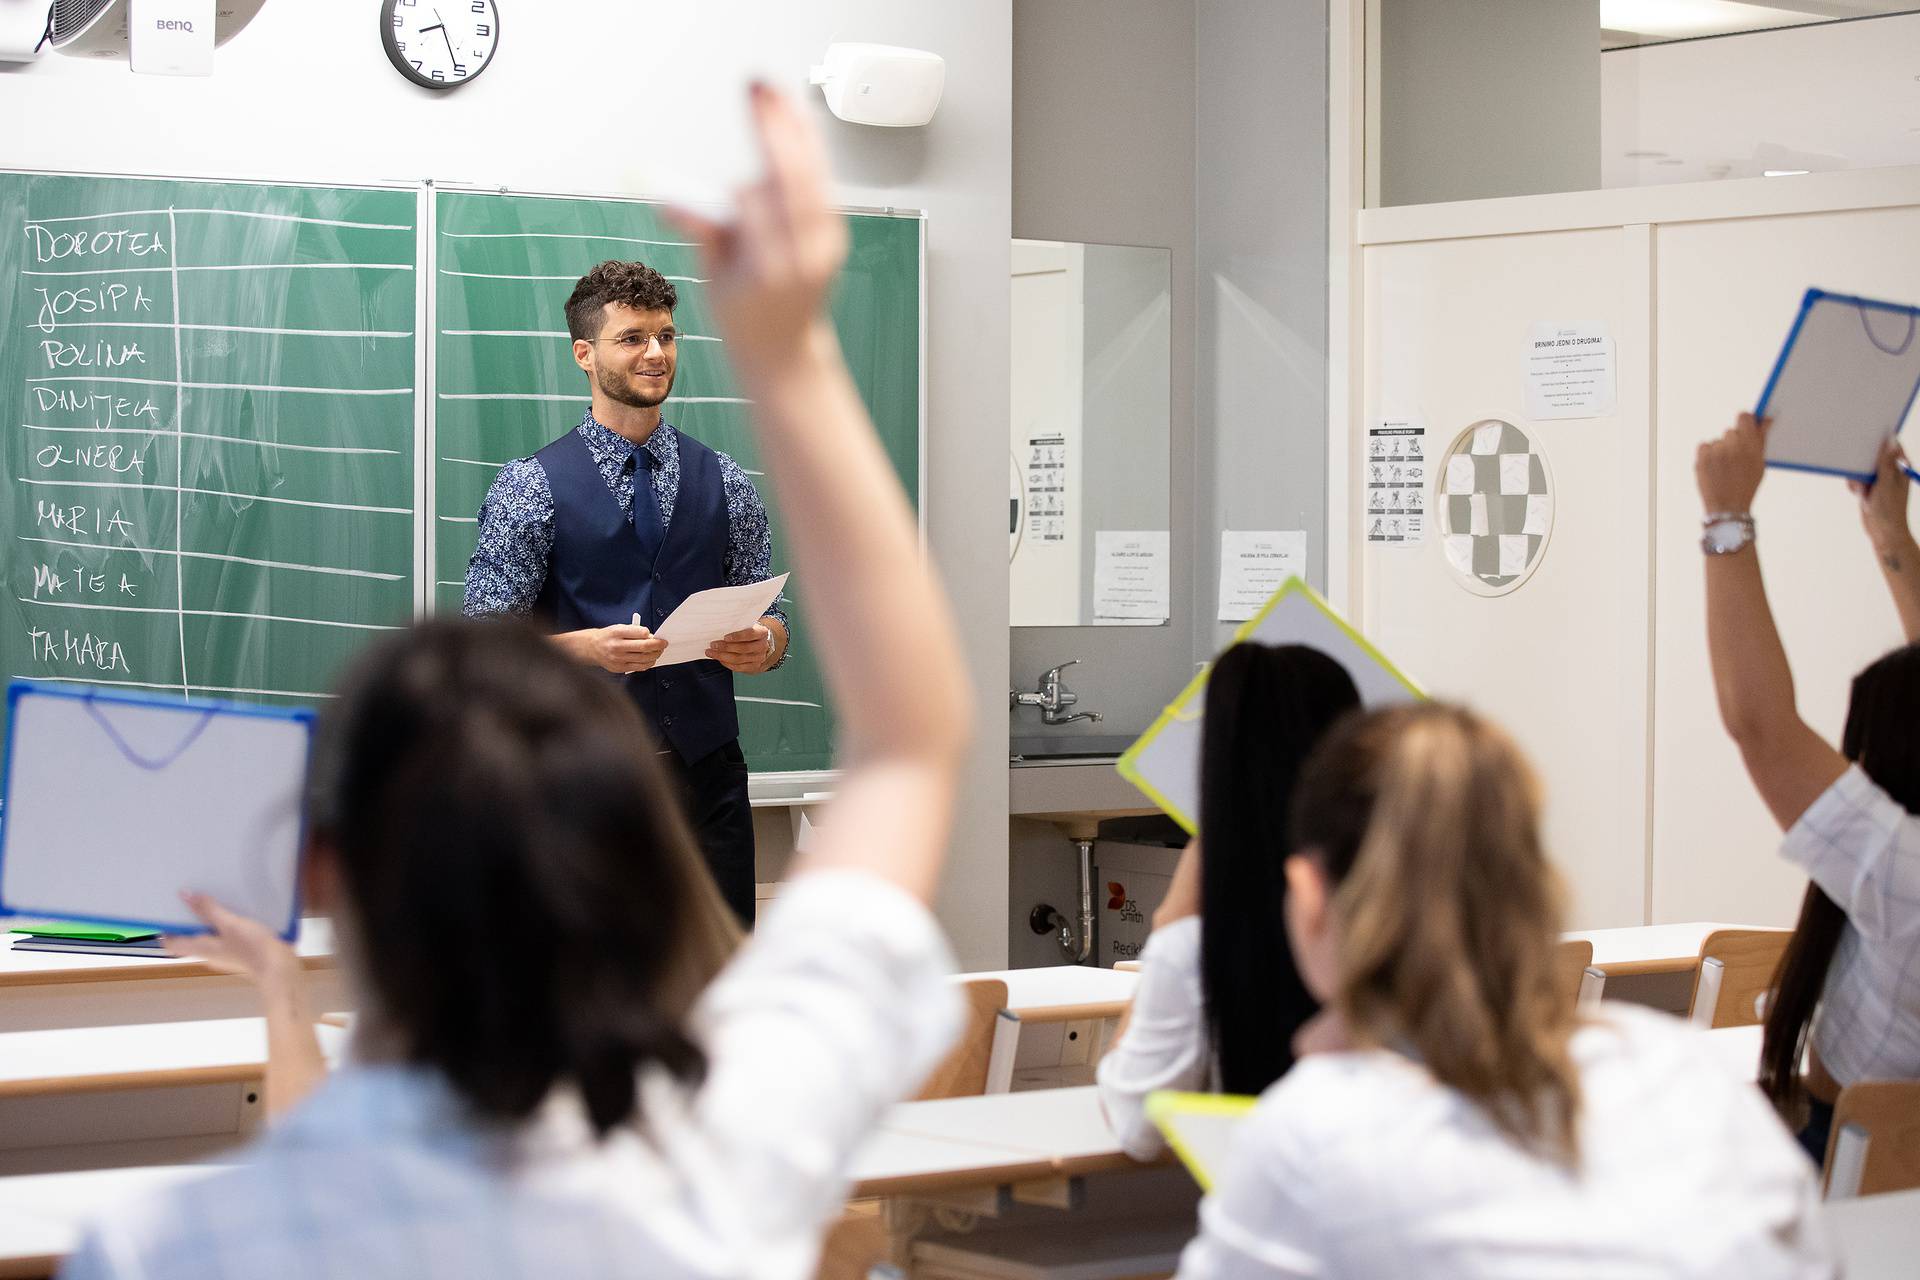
{"x":1783,"y":173}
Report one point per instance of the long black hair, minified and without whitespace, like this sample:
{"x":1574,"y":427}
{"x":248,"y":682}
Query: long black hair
{"x":523,"y":899}
{"x":1882,"y":736}
{"x":1266,"y":709}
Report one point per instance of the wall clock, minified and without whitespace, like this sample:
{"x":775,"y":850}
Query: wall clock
{"x":440,"y":44}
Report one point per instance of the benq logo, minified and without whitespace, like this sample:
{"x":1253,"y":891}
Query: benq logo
{"x":1116,"y":895}
{"x":173,"y":24}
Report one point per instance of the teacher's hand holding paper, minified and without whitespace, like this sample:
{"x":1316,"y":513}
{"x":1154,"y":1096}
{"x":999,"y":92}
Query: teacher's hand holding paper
{"x":1883,"y":502}
{"x":746,"y":652}
{"x":623,"y":648}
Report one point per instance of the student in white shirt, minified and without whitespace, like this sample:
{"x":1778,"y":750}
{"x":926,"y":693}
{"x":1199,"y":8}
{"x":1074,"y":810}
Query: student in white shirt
{"x":1218,"y":1005}
{"x":544,"y":1083}
{"x":1847,"y":996}
{"x":1448,"y":1116}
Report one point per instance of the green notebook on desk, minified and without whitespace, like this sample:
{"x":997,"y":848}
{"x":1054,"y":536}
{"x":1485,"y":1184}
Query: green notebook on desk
{"x":83,"y":938}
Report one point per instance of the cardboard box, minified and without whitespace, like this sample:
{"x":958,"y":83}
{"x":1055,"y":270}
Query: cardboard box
{"x":1129,"y":883}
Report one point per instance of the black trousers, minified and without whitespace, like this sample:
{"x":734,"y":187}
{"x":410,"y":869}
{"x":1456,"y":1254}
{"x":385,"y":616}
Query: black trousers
{"x":713,"y":790}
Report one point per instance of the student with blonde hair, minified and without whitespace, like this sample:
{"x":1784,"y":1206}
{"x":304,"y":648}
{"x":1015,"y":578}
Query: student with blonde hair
{"x":1450,"y":1115}
{"x":1846,"y":999}
{"x":544,"y":1080}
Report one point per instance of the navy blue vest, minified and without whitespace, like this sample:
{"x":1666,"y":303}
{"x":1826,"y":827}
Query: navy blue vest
{"x":598,"y":574}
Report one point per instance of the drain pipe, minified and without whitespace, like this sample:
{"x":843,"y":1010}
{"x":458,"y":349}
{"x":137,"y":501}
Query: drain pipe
{"x":1086,"y":902}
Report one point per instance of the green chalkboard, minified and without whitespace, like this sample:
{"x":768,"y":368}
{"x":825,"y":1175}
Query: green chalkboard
{"x":210,"y":431}
{"x":507,"y":384}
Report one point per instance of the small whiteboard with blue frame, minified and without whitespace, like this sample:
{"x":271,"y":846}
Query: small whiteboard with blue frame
{"x":1843,"y":383}
{"x":116,"y":803}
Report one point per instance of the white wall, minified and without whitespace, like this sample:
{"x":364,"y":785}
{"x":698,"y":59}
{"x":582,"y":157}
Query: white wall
{"x":1837,"y":96}
{"x":579,"y":90}
{"x":1597,"y":664}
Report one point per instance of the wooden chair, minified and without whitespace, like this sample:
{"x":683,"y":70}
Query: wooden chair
{"x":1573,"y":959}
{"x":1736,"y":969}
{"x":982,"y":1062}
{"x":1875,"y":1144}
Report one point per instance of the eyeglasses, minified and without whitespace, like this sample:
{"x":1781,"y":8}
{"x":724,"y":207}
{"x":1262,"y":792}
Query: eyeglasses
{"x":637,"y":342}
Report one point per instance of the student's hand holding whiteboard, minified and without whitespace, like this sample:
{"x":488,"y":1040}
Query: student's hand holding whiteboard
{"x":707,"y":616}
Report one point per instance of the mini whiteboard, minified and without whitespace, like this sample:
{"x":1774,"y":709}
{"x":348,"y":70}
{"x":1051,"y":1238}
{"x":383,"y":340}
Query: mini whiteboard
{"x":115,"y":804}
{"x":1200,"y":1127}
{"x":1844,"y":382}
{"x":1165,"y":761}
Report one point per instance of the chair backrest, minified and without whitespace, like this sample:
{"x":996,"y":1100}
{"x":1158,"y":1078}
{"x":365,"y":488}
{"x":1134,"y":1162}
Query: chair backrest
{"x":1571,"y":960}
{"x":974,"y":1067}
{"x":1875,"y":1145}
{"x":1736,"y":969}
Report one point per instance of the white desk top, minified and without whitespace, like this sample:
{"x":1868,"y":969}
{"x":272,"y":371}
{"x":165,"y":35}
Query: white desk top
{"x":1651,"y":948}
{"x":1879,"y":1236}
{"x":1034,"y":992}
{"x":124,"y":1056}
{"x":1060,"y":1125}
{"x":42,"y":1214}
{"x":22,"y":968}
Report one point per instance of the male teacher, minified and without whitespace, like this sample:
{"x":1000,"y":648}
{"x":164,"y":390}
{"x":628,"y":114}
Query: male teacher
{"x":625,"y":516}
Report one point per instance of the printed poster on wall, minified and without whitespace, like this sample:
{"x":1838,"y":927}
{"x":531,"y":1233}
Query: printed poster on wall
{"x":1047,"y":488}
{"x":1131,"y":577}
{"x":1570,"y":371}
{"x":1396,"y":480}
{"x":1254,"y":564}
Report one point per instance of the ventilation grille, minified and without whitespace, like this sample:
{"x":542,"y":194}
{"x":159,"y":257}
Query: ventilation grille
{"x":71,"y":17}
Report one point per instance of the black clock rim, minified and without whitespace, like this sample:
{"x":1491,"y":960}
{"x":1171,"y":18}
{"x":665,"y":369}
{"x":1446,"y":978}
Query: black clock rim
{"x":405,"y":68}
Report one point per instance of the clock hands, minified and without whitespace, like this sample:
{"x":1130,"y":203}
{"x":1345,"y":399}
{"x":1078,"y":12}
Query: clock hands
{"x":442,"y":26}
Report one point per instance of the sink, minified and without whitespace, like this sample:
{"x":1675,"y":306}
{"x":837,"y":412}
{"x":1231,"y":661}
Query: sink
{"x":1080,"y":747}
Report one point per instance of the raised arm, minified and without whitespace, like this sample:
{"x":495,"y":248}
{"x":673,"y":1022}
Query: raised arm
{"x":295,"y":1066}
{"x":1789,"y":763}
{"x":885,"y":635}
{"x":1883,"y":510}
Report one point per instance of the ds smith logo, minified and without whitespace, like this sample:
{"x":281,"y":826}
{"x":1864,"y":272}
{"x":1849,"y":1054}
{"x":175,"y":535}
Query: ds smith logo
{"x":1117,"y":900}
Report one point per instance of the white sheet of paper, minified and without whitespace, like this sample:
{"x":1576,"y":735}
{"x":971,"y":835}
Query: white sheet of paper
{"x":1516,"y":471}
{"x":1459,"y":475}
{"x":1459,"y":549}
{"x":1513,"y":553}
{"x":1539,"y":511}
{"x":1486,"y":438}
{"x":1570,"y":371}
{"x":1131,"y":577}
{"x":1253,"y":565}
{"x":706,"y":616}
{"x":1477,"y":513}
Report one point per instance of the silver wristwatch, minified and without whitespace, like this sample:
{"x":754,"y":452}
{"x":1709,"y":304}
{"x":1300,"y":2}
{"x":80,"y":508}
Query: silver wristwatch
{"x":1724,"y":532}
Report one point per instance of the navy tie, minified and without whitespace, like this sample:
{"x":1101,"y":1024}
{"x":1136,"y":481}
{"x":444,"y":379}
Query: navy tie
{"x":647,"y":524}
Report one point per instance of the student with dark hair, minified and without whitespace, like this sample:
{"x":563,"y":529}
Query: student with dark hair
{"x":1846,"y":998}
{"x":1451,"y":1116}
{"x":547,"y":1077}
{"x":1220,"y":999}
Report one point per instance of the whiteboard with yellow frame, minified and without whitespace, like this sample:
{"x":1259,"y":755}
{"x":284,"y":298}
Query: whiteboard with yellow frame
{"x":1165,"y":761}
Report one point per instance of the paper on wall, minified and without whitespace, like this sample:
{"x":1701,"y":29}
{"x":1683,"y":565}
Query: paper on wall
{"x":1047,"y":488}
{"x":1253,"y":565}
{"x":1131,"y":577}
{"x":1396,"y":482}
{"x":1569,"y":371}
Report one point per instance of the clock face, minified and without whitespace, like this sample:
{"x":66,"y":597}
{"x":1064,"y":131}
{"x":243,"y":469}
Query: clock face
{"x":440,"y":43}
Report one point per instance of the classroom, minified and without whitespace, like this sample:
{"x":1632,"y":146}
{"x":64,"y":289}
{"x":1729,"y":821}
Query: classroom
{"x":1457,"y":547}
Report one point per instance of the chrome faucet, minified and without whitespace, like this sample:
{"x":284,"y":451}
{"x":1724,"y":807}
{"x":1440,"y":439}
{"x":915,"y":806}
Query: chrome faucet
{"x":1053,"y":698}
